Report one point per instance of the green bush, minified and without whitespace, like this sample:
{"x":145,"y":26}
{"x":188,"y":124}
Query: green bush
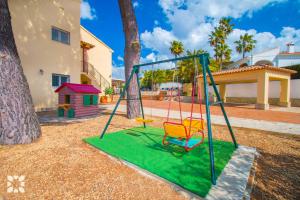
{"x":109,"y":91}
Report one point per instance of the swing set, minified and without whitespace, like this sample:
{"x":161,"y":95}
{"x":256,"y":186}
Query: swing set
{"x":189,"y":132}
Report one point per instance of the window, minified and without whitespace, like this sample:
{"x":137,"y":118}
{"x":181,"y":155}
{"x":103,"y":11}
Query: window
{"x":90,"y":100}
{"x":58,"y":79}
{"x":67,"y":99}
{"x":60,"y":35}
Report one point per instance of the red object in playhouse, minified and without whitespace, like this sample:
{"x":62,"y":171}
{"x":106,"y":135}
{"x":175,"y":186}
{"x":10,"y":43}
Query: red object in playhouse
{"x":77,"y":100}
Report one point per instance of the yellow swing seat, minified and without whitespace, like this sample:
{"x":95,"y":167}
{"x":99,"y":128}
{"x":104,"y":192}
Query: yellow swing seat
{"x":141,"y":120}
{"x":181,"y":133}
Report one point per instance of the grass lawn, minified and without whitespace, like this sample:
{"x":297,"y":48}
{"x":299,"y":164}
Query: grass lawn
{"x":143,"y":147}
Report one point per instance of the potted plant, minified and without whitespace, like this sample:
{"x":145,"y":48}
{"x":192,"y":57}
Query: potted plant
{"x":109,"y":93}
{"x":103,"y":99}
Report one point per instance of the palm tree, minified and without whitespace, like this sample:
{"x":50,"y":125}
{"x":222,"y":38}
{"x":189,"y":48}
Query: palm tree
{"x":176,"y":48}
{"x":217,"y":39}
{"x":18,"y":121}
{"x":245,"y":44}
{"x":226,"y":25}
{"x":187,"y":67}
{"x":131,"y":54}
{"x":224,"y":53}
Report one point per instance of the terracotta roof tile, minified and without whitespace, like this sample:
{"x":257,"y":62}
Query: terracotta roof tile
{"x":253,"y":68}
{"x":287,"y":53}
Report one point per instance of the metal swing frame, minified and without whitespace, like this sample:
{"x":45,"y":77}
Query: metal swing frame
{"x":204,"y":61}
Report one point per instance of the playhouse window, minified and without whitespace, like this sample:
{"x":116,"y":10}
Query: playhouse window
{"x":90,"y":100}
{"x":58,"y":79}
{"x":67,"y":99}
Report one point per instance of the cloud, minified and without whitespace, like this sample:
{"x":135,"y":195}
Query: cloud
{"x":86,"y":11}
{"x":192,"y":21}
{"x":136,"y":4}
{"x":158,"y":40}
{"x":120,"y":58}
{"x":118,"y":72}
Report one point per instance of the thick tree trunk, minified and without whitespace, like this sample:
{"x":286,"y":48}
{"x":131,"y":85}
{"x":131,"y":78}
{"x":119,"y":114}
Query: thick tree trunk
{"x":131,"y":55}
{"x":18,"y":121}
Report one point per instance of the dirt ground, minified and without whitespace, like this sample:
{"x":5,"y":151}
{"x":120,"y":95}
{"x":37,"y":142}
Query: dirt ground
{"x":61,"y":166}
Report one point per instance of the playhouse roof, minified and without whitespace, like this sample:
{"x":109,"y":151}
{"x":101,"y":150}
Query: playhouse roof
{"x":79,"y":88}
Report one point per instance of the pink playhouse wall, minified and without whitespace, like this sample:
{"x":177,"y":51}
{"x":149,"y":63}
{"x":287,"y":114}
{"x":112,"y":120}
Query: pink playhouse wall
{"x":76,"y":101}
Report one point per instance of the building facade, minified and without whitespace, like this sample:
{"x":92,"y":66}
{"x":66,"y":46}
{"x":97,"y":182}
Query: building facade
{"x":272,"y":57}
{"x":51,"y":45}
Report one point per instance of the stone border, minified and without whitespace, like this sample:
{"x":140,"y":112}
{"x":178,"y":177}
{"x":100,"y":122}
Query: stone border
{"x":232,"y":183}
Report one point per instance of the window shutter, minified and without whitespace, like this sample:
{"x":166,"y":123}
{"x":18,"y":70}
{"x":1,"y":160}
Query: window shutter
{"x":64,"y":79}
{"x":95,"y":99}
{"x":55,"y":80}
{"x":86,"y":100}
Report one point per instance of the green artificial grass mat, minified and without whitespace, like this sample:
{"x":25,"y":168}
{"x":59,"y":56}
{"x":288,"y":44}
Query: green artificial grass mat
{"x":143,"y":148}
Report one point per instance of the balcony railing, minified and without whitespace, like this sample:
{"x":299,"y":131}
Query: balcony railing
{"x":94,"y":74}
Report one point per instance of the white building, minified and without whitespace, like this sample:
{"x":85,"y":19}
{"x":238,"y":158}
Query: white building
{"x":273,"y":57}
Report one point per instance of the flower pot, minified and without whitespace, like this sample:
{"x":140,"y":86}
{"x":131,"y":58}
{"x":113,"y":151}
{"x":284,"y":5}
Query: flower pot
{"x":108,"y":99}
{"x":103,"y":99}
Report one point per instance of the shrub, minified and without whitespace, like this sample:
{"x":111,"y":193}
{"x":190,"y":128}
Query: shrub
{"x":109,"y":91}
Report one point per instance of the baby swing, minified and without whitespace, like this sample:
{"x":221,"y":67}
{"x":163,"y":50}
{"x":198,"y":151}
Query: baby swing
{"x":182,"y":134}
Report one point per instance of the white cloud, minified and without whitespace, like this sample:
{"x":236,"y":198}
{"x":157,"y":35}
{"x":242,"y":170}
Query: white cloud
{"x":136,"y":4}
{"x":156,"y":22}
{"x":267,"y":40}
{"x":118,"y":72}
{"x":86,"y":11}
{"x":192,"y":21}
{"x":120,"y":58}
{"x":158,"y":40}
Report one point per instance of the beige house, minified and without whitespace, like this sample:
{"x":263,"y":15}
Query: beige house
{"x":54,"y":48}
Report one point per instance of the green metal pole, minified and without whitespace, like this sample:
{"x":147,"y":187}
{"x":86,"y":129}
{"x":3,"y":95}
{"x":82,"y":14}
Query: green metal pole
{"x":204,"y":62}
{"x":222,"y":107}
{"x":140,"y":94}
{"x":171,"y":60}
{"x":116,"y":107}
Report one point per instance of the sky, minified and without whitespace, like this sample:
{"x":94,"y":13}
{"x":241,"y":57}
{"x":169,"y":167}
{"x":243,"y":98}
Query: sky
{"x":273,"y":23}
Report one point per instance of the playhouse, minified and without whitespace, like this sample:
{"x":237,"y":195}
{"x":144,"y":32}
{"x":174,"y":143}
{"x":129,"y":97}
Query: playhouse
{"x":77,"y":100}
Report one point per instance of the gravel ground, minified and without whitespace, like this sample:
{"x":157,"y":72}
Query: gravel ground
{"x":60,"y":166}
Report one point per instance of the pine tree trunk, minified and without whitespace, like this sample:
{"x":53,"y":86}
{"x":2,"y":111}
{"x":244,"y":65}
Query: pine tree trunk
{"x":18,"y":121}
{"x":131,"y":54}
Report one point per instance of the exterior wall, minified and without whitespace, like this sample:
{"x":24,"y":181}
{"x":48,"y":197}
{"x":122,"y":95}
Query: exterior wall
{"x":77,"y":103}
{"x":62,"y":93}
{"x":99,"y":56}
{"x":269,"y":55}
{"x":247,"y":92}
{"x":32,"y":22}
{"x":80,"y":109}
{"x":287,"y":60}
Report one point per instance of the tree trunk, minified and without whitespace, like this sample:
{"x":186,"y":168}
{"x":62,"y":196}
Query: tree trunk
{"x":18,"y":121}
{"x":131,"y":55}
